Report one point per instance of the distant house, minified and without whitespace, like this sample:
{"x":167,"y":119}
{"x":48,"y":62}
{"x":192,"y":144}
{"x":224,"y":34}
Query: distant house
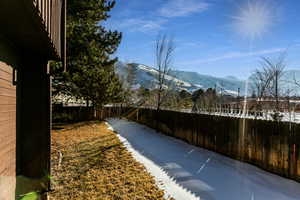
{"x":32,"y":33}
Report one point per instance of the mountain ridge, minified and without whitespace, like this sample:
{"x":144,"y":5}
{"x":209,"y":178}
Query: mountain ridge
{"x":146,"y":77}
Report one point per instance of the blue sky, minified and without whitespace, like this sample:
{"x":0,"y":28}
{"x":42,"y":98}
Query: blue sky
{"x":214,"y":37}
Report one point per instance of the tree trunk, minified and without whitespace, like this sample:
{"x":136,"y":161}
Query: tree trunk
{"x":158,"y":100}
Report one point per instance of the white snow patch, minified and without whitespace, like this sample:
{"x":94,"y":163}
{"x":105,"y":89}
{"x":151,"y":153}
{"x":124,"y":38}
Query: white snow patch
{"x":177,"y":81}
{"x":136,"y":86}
{"x":188,"y":172}
{"x":198,"y":85}
{"x":167,"y":77}
{"x":145,"y":68}
{"x":163,"y":181}
{"x":231,"y":92}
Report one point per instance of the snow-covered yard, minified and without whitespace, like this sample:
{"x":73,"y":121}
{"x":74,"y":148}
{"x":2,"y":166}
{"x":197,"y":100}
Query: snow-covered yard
{"x":266,"y":115}
{"x":187,"y":172}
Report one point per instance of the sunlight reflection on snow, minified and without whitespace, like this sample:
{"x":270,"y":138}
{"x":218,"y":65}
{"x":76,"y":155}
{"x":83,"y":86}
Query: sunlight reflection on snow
{"x":202,"y":167}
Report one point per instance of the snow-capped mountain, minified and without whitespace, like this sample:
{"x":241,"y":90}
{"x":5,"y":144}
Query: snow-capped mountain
{"x":147,"y":77}
{"x":228,"y":85}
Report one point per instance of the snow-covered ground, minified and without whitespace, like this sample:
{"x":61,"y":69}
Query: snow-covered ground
{"x":286,"y":116}
{"x":187,"y":172}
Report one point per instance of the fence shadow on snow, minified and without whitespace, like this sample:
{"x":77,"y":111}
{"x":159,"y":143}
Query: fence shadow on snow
{"x":273,"y":146}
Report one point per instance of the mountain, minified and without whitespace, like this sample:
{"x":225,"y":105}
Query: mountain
{"x":146,"y":77}
{"x":229,"y":85}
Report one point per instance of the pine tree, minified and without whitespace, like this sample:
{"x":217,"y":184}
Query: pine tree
{"x":90,"y":70}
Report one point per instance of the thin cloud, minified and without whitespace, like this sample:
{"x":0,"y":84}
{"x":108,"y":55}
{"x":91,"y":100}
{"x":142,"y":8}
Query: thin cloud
{"x":140,"y":25}
{"x":185,"y":45}
{"x":236,"y":55}
{"x":193,"y":44}
{"x":178,"y":8}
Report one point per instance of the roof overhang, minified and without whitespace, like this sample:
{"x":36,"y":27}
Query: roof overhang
{"x":21,"y":23}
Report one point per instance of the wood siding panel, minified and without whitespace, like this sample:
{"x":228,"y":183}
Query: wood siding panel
{"x":6,"y":68}
{"x":5,"y":100}
{"x":7,"y":92}
{"x":6,"y":76}
{"x":7,"y":123}
{"x":7,"y":108}
{"x":52,"y":13}
{"x":6,"y":84}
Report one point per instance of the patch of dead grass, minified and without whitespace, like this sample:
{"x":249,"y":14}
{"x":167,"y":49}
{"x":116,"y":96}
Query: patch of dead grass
{"x":96,"y":165}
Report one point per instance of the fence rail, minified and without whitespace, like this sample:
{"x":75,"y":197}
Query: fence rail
{"x":273,"y":146}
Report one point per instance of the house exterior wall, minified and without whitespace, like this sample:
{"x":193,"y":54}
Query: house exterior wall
{"x":33,"y":129}
{"x":33,"y":33}
{"x":7,"y":123}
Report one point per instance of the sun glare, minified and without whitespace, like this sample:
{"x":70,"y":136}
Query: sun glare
{"x":254,"y":19}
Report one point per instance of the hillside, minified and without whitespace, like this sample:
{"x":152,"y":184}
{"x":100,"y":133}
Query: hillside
{"x":146,"y":77}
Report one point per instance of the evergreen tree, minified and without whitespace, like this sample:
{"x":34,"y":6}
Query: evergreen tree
{"x":131,"y":74}
{"x":90,"y":70}
{"x":197,"y":94}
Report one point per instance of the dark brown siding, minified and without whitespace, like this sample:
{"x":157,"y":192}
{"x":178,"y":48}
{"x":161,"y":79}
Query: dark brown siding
{"x":7,"y":130}
{"x":52,"y":14}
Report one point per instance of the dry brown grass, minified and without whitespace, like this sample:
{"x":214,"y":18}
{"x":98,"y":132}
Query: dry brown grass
{"x":95,"y":165}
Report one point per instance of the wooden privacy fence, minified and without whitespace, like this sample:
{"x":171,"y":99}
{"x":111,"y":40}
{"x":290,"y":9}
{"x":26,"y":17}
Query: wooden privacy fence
{"x":273,"y":146}
{"x":70,"y":114}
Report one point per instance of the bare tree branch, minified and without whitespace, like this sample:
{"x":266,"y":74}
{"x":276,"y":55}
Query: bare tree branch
{"x":164,"y":51}
{"x":275,"y":70}
{"x":296,"y":82}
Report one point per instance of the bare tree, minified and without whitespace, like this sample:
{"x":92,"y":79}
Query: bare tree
{"x":276,"y":71}
{"x":261,"y":80}
{"x":164,"y":51}
{"x":267,"y":80}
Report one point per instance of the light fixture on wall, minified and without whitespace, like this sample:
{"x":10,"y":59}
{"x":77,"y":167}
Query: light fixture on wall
{"x":15,"y":76}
